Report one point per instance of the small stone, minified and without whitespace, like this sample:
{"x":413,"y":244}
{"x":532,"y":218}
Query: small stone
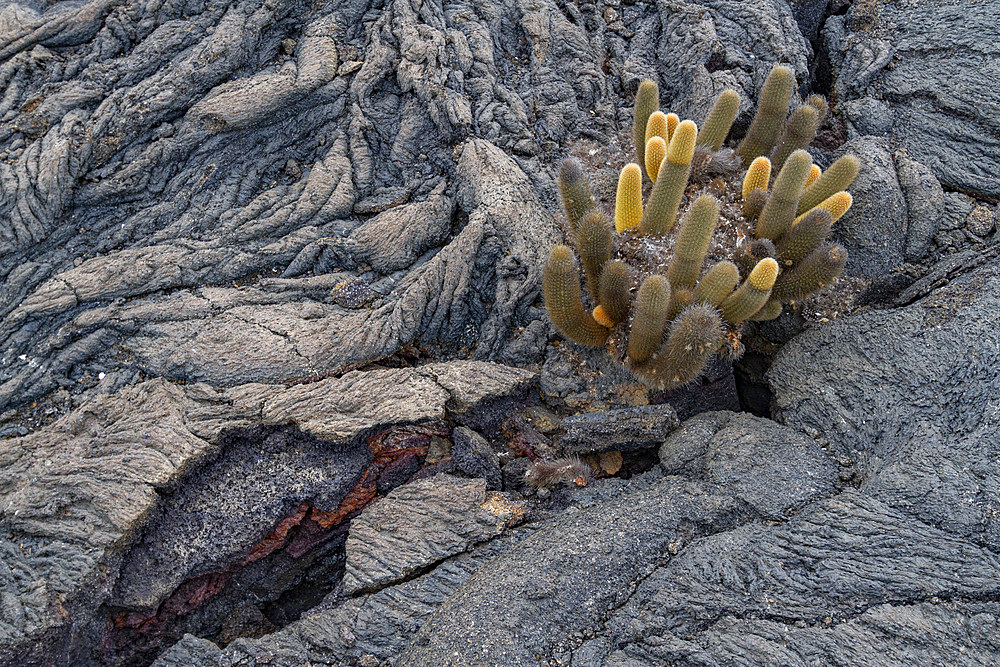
{"x":981,"y":221}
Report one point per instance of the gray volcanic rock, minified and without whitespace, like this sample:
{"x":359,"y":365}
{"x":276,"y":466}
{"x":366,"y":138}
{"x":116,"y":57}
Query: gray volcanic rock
{"x":910,"y":396}
{"x":624,"y":429}
{"x":924,"y":74}
{"x":924,"y":204}
{"x":419,"y":525}
{"x":121,"y":501}
{"x":772,"y":467}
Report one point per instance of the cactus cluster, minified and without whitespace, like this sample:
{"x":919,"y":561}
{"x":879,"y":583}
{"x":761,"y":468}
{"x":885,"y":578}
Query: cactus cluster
{"x":664,"y":303}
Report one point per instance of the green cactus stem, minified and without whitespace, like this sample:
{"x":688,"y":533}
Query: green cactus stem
{"x":779,"y":211}
{"x":574,"y":190}
{"x":750,"y":252}
{"x":823,"y":266}
{"x":770,"y":117}
{"x":593,"y":243}
{"x":651,"y":307}
{"x":717,"y":284}
{"x":837,"y":177}
{"x":754,"y":204}
{"x":822,"y":107}
{"x":614,"y":298}
{"x":800,"y":128}
{"x":770,"y":311}
{"x":752,"y":294}
{"x":805,"y":236}
{"x":694,"y":336}
{"x":564,"y":301}
{"x":661,"y":209}
{"x":647,"y":101}
{"x":718,"y":121}
{"x":693,"y":240}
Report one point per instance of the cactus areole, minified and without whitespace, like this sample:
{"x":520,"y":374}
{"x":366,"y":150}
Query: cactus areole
{"x":665,"y":289}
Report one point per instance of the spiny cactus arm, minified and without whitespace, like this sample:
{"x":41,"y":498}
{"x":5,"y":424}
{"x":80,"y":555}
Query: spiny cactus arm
{"x":615,"y":300}
{"x":806,"y":235}
{"x":837,"y":177}
{"x":754,"y":204}
{"x":800,"y":128}
{"x":779,"y":211}
{"x":758,"y":176}
{"x":752,"y":294}
{"x":814,"y":172}
{"x":593,"y":243}
{"x":717,"y":284}
{"x":719,"y":119}
{"x":673,"y":120}
{"x":770,"y":311}
{"x":694,"y":336}
{"x":628,"y":204}
{"x":680,"y":299}
{"x":693,"y":240}
{"x":823,"y":266}
{"x":647,"y":101}
{"x":574,"y":190}
{"x":651,"y":307}
{"x":661,"y":210}
{"x":750,"y":252}
{"x":656,"y":150}
{"x":770,"y":118}
{"x":564,"y":301}
{"x":822,"y":107}
{"x":656,"y":126}
{"x":836,"y":205}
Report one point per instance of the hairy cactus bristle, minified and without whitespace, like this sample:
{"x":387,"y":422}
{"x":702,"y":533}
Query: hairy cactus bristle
{"x":647,"y":100}
{"x":593,"y":243}
{"x":680,"y":298}
{"x":837,"y":177}
{"x":694,"y":336}
{"x":717,"y":284}
{"x":693,"y":240}
{"x":823,"y":266}
{"x":574,"y":190}
{"x":836,"y":205}
{"x":564,"y":301}
{"x":800,"y":128}
{"x":750,"y":252}
{"x":754,"y":204}
{"x":752,"y":294}
{"x":673,"y":120}
{"x":601,"y":317}
{"x":656,"y":150}
{"x":779,"y":211}
{"x":770,"y":117}
{"x":819,"y":103}
{"x":614,"y":298}
{"x":805,"y":236}
{"x":770,"y":311}
{"x":718,"y":121}
{"x":661,"y":209}
{"x":758,"y":176}
{"x":656,"y":126}
{"x":814,"y":172}
{"x":548,"y":474}
{"x":628,"y":204}
{"x":651,"y":307}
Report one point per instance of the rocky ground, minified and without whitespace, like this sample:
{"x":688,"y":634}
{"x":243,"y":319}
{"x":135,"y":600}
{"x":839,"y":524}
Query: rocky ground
{"x":274,"y":361}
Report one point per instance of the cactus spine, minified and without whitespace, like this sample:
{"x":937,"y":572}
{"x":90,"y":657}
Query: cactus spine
{"x":779,"y":211}
{"x":673,"y":120}
{"x":661,"y":210}
{"x":593,"y":243}
{"x":693,"y":241}
{"x":757,"y":177}
{"x":647,"y":101}
{"x":564,"y":301}
{"x":837,"y":177}
{"x":656,"y":150}
{"x":614,"y":295}
{"x":717,"y":284}
{"x":574,"y":191}
{"x":771,"y":109}
{"x":836,"y":205}
{"x":651,"y":308}
{"x":694,"y":336}
{"x":656,"y":126}
{"x":805,"y":236}
{"x":799,"y":132}
{"x":814,"y":172}
{"x":752,"y":294}
{"x":719,"y":120}
{"x":628,"y":204}
{"x":819,"y":269}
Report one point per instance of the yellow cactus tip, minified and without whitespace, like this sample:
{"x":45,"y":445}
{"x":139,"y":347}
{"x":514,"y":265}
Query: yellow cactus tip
{"x":628,"y":205}
{"x":837,"y":204}
{"x":602,"y":318}
{"x":814,"y":173}
{"x":757,"y":177}
{"x":764,"y":274}
{"x":656,"y":150}
{"x":656,"y":126}
{"x":673,"y":120}
{"x":681,"y":148}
